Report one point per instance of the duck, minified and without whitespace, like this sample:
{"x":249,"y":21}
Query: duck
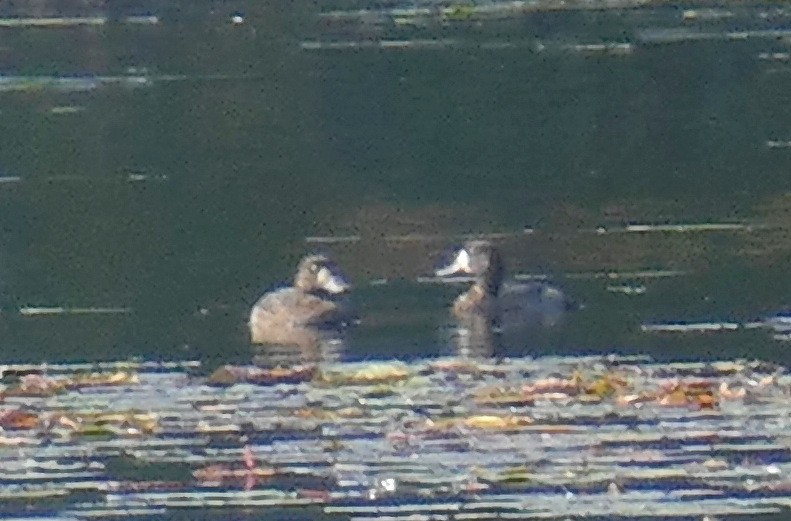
{"x":295,"y":314}
{"x":504,"y":304}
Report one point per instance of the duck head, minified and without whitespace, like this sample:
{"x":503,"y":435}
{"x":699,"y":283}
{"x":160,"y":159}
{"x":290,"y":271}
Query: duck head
{"x":317,"y":273}
{"x":479,"y":259}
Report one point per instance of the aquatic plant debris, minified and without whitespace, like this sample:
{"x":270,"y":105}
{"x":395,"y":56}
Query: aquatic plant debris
{"x":549,"y":437}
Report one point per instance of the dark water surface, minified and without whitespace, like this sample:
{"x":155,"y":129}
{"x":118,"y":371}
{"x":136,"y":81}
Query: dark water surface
{"x":173,"y":171}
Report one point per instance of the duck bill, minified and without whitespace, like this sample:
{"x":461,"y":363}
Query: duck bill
{"x":461,"y":264}
{"x":332,"y":283}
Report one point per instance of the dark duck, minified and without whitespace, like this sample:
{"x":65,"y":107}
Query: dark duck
{"x":505,"y":304}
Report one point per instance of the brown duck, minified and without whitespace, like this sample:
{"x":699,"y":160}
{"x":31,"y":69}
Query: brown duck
{"x":291,"y":315}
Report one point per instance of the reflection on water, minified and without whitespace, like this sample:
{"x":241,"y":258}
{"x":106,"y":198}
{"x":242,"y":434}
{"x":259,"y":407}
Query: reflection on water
{"x":477,"y":336}
{"x":316,"y":346}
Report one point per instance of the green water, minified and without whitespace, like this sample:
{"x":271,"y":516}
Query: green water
{"x":179,"y":175}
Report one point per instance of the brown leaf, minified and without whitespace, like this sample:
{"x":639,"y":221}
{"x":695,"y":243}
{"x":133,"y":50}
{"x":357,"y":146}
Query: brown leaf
{"x":230,"y":375}
{"x":16,"y":419}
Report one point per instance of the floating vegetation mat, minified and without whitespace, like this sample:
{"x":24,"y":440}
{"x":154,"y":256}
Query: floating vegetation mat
{"x":449,"y":438}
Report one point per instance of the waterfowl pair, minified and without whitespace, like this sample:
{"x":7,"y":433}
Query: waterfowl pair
{"x":291,"y":315}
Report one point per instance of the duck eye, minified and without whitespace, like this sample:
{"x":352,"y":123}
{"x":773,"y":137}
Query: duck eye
{"x":314,"y":268}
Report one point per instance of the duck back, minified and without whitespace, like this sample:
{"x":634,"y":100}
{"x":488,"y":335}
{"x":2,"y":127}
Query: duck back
{"x":531,"y":303}
{"x":293,"y":307}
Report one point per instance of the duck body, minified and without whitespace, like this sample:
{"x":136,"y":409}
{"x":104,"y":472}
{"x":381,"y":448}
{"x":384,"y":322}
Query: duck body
{"x":531,"y":303}
{"x":295,"y":314}
{"x":506,"y":304}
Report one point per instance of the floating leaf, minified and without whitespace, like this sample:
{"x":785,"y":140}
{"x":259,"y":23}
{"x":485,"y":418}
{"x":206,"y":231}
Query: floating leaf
{"x":17,"y":419}
{"x":605,"y":386}
{"x":221,"y":474}
{"x":515,"y":475}
{"x":484,"y":422}
{"x":101,"y":379}
{"x":107,"y":424}
{"x":370,"y":374}
{"x":503,"y":397}
{"x":728,"y":393}
{"x":230,"y":375}
{"x":470,"y":367}
{"x":35,"y":385}
{"x":325,"y":414}
{"x":552,"y":385}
